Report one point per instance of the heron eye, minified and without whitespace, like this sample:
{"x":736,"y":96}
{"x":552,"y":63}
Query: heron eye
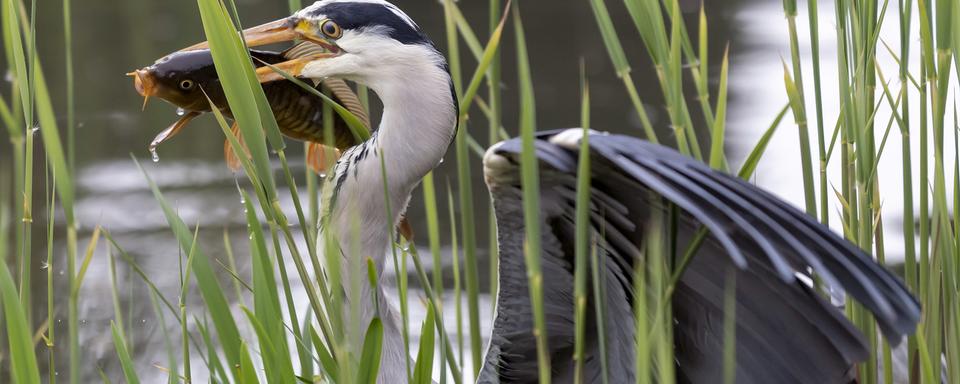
{"x":186,"y":85}
{"x":331,"y":29}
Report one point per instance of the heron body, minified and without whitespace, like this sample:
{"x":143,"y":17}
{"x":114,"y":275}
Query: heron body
{"x":785,"y":333}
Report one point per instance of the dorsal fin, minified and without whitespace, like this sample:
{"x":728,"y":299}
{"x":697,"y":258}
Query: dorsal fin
{"x":348,"y":98}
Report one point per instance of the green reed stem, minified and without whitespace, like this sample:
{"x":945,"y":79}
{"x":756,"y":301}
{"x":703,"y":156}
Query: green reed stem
{"x":790,"y":9}
{"x":435,"y":301}
{"x":530,"y":182}
{"x":465,"y":186}
{"x":69,"y":84}
{"x":812,"y":11}
{"x":581,"y":241}
{"x":457,"y":294}
{"x":51,"y":306}
{"x":620,"y":64}
{"x":433,"y":230}
{"x":495,"y":122}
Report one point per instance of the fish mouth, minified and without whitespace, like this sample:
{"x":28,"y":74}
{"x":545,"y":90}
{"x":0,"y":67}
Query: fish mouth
{"x":285,"y":30}
{"x":145,"y":84}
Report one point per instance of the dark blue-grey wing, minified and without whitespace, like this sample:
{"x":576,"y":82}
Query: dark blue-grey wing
{"x":785,"y":332}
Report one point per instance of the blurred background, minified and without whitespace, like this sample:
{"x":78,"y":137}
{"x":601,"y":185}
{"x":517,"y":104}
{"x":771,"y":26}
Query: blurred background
{"x":115,"y":37}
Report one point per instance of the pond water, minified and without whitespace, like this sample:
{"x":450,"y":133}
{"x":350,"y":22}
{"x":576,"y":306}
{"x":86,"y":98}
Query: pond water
{"x":112,"y":38}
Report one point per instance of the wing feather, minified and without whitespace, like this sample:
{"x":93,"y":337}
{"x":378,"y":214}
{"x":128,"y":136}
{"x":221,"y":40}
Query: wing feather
{"x":785,"y":331}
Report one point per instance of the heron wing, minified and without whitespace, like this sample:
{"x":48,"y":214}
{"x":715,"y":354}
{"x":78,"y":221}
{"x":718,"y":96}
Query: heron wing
{"x":785,"y":331}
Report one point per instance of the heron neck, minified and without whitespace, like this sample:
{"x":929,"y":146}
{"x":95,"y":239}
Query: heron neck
{"x":418,"y":124}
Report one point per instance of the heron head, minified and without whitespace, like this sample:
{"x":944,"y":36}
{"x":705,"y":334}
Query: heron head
{"x":367,"y":41}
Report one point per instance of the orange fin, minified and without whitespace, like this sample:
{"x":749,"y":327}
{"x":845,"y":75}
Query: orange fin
{"x":229,"y":155}
{"x":405,"y":229}
{"x":172,"y":130}
{"x":321,"y":157}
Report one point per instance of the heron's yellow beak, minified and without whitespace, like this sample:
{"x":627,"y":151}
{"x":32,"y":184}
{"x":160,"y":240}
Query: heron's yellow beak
{"x":279,"y":31}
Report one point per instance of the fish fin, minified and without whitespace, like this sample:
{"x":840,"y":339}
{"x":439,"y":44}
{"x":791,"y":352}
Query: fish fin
{"x":233,"y":162}
{"x":348,"y":98}
{"x":172,"y":130}
{"x":405,"y":229}
{"x":320,"y":158}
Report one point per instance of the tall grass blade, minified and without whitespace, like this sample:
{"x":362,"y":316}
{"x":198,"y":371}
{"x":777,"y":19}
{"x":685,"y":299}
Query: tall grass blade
{"x":69,"y":84}
{"x":813,"y":18}
{"x":597,"y":269}
{"x":795,"y":93}
{"x":271,"y":329}
{"x":329,"y":365}
{"x":129,"y":373}
{"x":457,"y":291}
{"x":370,"y":356}
{"x":240,"y":86}
{"x":530,"y":182}
{"x":434,"y":304}
{"x":730,"y":328}
{"x":717,"y":158}
{"x":489,"y":53}
{"x":23,"y":362}
{"x":494,"y":127}
{"x":245,"y":371}
{"x":467,"y":222}
{"x":206,"y":279}
{"x":275,"y":363}
{"x":620,"y":64}
{"x":582,"y":240}
{"x":423,"y":369}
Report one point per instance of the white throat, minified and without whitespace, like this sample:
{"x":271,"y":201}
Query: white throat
{"x":418,"y":124}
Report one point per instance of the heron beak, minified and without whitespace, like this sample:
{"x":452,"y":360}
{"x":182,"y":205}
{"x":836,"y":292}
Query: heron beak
{"x":293,"y":67}
{"x":284,"y":30}
{"x":303,"y":29}
{"x":277,"y":31}
{"x":145,"y":84}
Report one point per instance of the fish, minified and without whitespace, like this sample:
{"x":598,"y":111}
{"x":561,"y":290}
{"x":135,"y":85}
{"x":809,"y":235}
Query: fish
{"x":187,"y":79}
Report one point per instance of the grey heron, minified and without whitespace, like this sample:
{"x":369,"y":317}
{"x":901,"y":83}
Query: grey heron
{"x":786,"y":333}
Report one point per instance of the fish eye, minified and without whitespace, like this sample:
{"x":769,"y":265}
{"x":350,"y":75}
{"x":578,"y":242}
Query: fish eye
{"x":186,"y":84}
{"x":331,"y":29}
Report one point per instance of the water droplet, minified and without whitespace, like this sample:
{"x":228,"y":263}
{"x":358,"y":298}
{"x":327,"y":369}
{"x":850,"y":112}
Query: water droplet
{"x":61,"y":272}
{"x":154,"y":155}
{"x":44,"y":265}
{"x":181,"y":112}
